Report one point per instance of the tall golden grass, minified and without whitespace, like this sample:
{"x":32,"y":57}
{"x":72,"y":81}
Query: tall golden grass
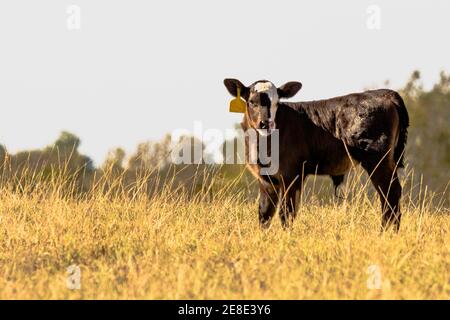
{"x":181,"y":244}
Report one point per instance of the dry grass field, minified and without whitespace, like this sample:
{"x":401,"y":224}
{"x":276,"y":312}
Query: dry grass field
{"x":175,"y":247}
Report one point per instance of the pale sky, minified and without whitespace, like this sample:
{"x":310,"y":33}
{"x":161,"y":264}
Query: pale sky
{"x":136,"y":70}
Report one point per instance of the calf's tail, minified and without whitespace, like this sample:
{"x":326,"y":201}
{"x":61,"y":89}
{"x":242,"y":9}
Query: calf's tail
{"x":399,"y":150}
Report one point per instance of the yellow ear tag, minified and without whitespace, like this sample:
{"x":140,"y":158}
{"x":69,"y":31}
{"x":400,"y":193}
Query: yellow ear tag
{"x":237,"y":104}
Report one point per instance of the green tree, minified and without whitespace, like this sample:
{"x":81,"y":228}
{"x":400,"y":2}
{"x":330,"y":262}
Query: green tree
{"x":67,"y":143}
{"x":114,"y":161}
{"x":2,"y":154}
{"x":428,"y":149}
{"x":151,"y":155}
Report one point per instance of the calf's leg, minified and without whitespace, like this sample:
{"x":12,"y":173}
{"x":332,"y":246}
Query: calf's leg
{"x":268,"y":202}
{"x":288,"y":208}
{"x":289,"y":199}
{"x":385,"y":180}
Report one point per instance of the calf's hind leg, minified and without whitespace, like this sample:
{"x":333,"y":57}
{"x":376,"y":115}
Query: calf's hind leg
{"x":385,"y":180}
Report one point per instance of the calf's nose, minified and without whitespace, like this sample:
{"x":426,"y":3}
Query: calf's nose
{"x":264,"y":124}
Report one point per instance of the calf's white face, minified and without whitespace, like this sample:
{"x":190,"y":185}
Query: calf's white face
{"x":269,"y":105}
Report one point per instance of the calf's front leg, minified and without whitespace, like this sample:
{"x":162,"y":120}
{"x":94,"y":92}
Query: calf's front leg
{"x":268,"y":202}
{"x":288,"y":207}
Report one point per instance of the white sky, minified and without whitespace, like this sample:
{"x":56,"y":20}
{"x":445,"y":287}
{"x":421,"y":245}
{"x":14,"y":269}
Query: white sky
{"x":139,"y":69}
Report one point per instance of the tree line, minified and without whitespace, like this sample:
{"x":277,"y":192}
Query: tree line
{"x":427,"y":154}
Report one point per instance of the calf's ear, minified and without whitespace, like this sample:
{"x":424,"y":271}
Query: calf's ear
{"x":233,"y":84}
{"x":288,"y":90}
